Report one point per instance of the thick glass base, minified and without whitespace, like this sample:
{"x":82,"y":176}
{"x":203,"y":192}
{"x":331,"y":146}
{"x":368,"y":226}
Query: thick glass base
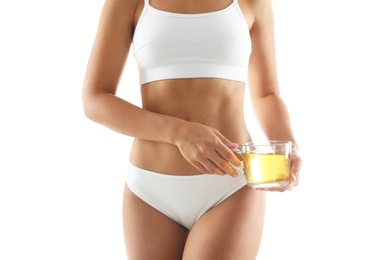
{"x":267,"y":185}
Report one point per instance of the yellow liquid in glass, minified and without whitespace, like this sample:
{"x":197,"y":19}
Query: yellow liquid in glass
{"x":266,"y":168}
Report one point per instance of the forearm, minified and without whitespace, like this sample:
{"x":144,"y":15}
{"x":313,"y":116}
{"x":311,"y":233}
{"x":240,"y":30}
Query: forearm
{"x":128,"y":119}
{"x":273,"y":118}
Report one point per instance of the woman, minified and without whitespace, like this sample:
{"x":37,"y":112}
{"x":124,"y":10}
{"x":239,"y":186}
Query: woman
{"x":182,"y":198}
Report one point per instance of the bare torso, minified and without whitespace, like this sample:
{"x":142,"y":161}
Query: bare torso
{"x":217,"y":103}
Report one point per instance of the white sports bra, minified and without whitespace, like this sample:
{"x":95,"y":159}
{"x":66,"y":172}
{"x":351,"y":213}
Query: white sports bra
{"x":206,"y":45}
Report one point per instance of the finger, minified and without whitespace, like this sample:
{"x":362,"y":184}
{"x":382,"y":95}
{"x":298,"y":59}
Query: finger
{"x":223,"y":165}
{"x":225,"y":151}
{"x":207,"y":168}
{"x":296,"y":161}
{"x":212,"y":168}
{"x":295,"y":169}
{"x":228,"y":156}
{"x":200,"y":167}
{"x":226,"y":141}
{"x":295,"y":166}
{"x":232,"y":145}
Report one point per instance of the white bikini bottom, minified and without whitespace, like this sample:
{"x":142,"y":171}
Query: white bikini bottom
{"x":183,"y":198}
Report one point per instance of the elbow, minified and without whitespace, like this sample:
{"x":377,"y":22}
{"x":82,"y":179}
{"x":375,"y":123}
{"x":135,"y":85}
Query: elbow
{"x":88,"y":112}
{"x":96,"y":104}
{"x":89,"y":106}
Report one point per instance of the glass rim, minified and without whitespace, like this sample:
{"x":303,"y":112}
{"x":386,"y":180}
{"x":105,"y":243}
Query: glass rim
{"x":267,"y":143}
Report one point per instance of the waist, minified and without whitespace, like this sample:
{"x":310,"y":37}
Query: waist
{"x":212,"y":102}
{"x":165,"y":158}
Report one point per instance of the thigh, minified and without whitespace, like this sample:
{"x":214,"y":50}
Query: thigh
{"x":148,"y":233}
{"x":231,"y":230}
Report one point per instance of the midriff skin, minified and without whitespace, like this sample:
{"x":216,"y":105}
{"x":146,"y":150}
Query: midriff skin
{"x":217,"y":103}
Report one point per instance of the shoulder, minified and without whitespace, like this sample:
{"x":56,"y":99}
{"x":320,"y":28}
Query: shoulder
{"x":255,"y":10}
{"x":256,"y":4}
{"x":121,"y":13}
{"x":123,"y":6}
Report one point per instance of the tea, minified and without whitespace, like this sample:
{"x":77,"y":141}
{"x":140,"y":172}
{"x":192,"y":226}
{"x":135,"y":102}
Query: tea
{"x":266,"y":170}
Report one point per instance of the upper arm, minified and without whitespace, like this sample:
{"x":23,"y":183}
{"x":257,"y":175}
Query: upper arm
{"x":111,"y":47}
{"x":262,"y":79}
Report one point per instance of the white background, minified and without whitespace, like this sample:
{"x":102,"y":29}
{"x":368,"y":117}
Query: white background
{"x":61,"y":176}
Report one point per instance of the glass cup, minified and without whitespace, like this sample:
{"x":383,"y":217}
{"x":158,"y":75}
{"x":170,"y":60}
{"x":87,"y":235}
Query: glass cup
{"x":265,"y":165}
